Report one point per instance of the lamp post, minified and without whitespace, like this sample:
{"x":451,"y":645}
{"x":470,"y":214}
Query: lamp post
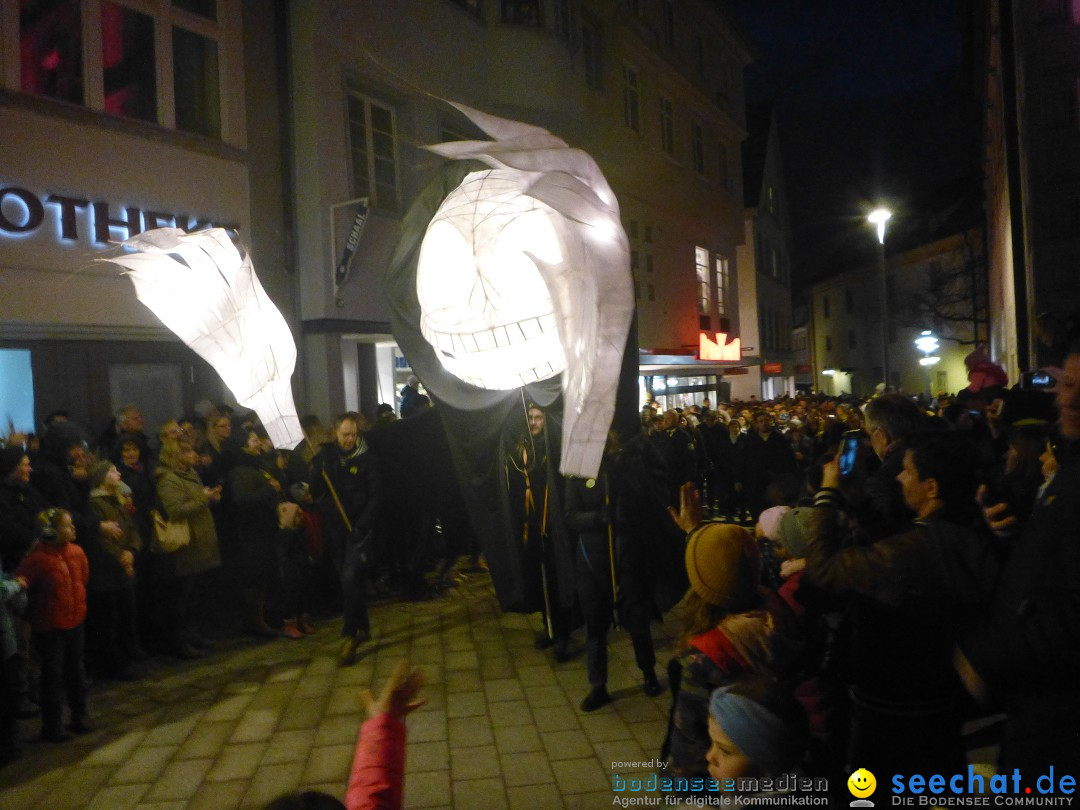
{"x":878,"y":217}
{"x":928,"y":344}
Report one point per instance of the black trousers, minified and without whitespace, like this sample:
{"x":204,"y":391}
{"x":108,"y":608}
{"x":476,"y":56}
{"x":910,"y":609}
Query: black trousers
{"x":61,"y":656}
{"x":348,"y":553}
{"x":594,"y":589}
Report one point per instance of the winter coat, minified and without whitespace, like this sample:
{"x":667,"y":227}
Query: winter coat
{"x":183,"y":497}
{"x":56,"y":577}
{"x":12,"y":600}
{"x":914,"y":592}
{"x":355,"y":479}
{"x":19,"y":507}
{"x":1028,"y":650}
{"x":765,"y":460}
{"x":742,"y":645}
{"x":378,"y":769}
{"x":107,"y":506}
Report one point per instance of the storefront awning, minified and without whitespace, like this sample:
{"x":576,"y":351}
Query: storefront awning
{"x":673,"y":365}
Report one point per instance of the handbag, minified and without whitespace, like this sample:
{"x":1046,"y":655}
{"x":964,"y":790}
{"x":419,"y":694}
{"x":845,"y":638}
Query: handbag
{"x":169,"y":535}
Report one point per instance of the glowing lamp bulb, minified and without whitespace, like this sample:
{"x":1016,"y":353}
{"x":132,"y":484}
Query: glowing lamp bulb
{"x":878,"y":217}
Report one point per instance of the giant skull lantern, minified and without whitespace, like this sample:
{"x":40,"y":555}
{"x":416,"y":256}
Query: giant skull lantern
{"x":523,"y":275}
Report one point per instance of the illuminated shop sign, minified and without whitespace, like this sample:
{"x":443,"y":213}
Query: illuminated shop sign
{"x":64,"y":218}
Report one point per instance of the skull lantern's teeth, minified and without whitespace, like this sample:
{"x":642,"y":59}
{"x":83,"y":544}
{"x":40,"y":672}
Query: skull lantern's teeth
{"x":481,"y":351}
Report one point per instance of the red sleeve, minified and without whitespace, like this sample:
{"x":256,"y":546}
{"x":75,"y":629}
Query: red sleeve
{"x":378,"y":770}
{"x":29,"y":569}
{"x":85,"y":564}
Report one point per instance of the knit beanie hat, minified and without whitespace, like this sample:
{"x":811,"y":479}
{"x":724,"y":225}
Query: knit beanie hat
{"x":723,"y":565}
{"x":793,"y":526}
{"x":98,"y":472}
{"x":762,"y":736}
{"x":9,"y":460}
{"x":769,"y":521}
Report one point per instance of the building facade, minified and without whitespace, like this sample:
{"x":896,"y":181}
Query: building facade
{"x":764,"y":260}
{"x":653,"y":91}
{"x":847,"y":333}
{"x":117,"y":118}
{"x":1031,"y":175}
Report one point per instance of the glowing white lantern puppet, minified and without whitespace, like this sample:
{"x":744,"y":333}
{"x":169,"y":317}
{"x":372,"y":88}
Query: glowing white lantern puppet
{"x":205,"y":290}
{"x":524,"y":274}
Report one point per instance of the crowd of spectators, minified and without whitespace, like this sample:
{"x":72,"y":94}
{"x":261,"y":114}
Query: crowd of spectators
{"x":847,"y":603}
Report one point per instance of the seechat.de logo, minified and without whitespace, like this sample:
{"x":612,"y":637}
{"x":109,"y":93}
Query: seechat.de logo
{"x":862,"y":784}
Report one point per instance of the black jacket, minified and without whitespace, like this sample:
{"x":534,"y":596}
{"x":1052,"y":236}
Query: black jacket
{"x":355,"y":479}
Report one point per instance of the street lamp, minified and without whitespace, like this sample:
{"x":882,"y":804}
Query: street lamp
{"x":928,"y":344}
{"x":878,"y":217}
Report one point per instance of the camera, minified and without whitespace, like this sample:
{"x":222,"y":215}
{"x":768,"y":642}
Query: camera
{"x":1036,"y":381}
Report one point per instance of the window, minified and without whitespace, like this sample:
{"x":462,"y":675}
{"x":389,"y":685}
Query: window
{"x":158,"y":62}
{"x":522,"y":12}
{"x":591,"y":53}
{"x":473,"y":6}
{"x":774,"y":262}
{"x":195,"y":83}
{"x":851,"y":339}
{"x":630,"y":95}
{"x":652,"y":292}
{"x":697,"y":141}
{"x":128,"y":63}
{"x":723,"y":279}
{"x":828,"y":343}
{"x":648,"y":263}
{"x":635,"y":262}
{"x":373,"y":148}
{"x":648,"y":233}
{"x":564,"y":23}
{"x":849,"y":301}
{"x":770,"y":200}
{"x":50,"y":44}
{"x":825,"y":305}
{"x":701,"y":267}
{"x":204,"y":8}
{"x":667,"y":126}
{"x":631,"y":229}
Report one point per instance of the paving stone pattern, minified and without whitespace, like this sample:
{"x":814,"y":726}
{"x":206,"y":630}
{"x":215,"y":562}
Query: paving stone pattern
{"x":501,"y":728}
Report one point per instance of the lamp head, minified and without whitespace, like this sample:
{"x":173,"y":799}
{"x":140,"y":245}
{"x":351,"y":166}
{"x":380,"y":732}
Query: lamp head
{"x":878,"y":217}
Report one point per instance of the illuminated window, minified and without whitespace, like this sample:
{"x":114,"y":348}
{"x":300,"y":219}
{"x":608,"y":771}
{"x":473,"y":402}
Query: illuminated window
{"x":701,"y":266}
{"x":631,"y":98}
{"x":723,"y":280}
{"x":373,"y":148}
{"x":667,"y":126}
{"x":50,"y":47}
{"x":158,"y":62}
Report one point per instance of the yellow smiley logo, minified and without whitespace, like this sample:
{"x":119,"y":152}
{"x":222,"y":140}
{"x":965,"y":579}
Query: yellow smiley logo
{"x":861,"y":783}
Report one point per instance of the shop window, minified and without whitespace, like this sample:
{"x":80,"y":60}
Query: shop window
{"x":373,"y":147}
{"x":195,"y":82}
{"x":17,"y":390}
{"x":50,"y":47}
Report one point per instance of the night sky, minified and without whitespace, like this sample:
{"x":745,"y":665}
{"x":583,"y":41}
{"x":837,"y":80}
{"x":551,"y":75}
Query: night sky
{"x":876,"y":101}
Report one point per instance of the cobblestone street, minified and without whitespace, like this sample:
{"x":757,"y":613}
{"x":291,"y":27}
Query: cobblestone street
{"x":501,"y":727}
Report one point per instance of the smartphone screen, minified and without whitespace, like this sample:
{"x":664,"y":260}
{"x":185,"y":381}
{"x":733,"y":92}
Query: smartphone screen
{"x":847,"y":455}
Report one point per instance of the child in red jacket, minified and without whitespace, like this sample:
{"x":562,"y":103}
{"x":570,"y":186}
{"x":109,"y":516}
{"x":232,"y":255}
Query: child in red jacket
{"x":55,"y":574}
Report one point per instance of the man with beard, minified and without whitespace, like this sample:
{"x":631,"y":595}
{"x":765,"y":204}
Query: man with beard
{"x":533,"y":500}
{"x":345,"y":483}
